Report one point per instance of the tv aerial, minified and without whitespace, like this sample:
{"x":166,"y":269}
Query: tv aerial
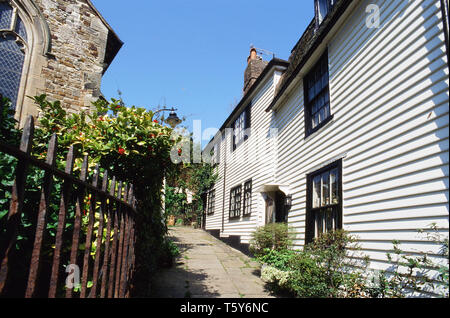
{"x":262,"y":51}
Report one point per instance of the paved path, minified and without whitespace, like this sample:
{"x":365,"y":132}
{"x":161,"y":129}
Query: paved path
{"x":207,"y":267}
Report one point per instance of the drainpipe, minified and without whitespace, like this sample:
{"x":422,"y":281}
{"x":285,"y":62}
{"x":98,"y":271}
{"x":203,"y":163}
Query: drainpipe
{"x":445,"y":21}
{"x":224,"y":183}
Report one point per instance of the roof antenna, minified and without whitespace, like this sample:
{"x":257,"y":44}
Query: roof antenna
{"x":262,"y":51}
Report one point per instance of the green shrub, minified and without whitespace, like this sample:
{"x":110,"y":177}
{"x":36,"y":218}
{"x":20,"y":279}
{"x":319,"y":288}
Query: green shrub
{"x":168,"y":253}
{"x":278,"y":259}
{"x":308,"y":278}
{"x":273,"y":236}
{"x":325,"y":268}
{"x":410,"y":274}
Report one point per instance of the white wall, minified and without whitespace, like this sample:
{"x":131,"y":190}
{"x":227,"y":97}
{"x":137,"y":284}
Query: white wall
{"x":389,"y":92}
{"x":253,"y":159}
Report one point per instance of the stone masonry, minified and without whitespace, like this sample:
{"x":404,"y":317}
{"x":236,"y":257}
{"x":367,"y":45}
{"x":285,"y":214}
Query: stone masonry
{"x":82,"y":45}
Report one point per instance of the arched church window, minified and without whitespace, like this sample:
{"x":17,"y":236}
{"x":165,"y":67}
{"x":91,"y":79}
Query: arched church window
{"x":13,"y":41}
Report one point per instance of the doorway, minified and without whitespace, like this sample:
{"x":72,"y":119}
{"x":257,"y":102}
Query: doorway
{"x":276,"y":210}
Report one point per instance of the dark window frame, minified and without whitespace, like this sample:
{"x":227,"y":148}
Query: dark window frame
{"x":247,"y":189}
{"x":236,"y":192}
{"x":211,"y":202}
{"x":246,"y":125}
{"x":324,"y":92}
{"x":312,"y":211}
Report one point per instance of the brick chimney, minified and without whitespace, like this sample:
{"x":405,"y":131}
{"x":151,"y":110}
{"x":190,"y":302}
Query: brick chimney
{"x":254,"y":68}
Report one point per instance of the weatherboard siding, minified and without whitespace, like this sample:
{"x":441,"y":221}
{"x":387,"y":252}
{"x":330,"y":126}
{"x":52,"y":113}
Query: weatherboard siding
{"x":253,"y":159}
{"x":389,"y":97}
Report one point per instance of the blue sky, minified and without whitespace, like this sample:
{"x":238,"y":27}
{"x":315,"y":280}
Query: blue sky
{"x":192,"y":54}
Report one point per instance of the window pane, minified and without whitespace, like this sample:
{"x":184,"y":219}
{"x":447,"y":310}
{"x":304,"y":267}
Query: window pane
{"x":325,"y":79}
{"x":315,"y":107}
{"x":20,"y":29}
{"x":311,"y":92}
{"x":11,"y":64}
{"x":329,"y":222}
{"x":320,"y":101}
{"x":322,"y":115}
{"x":326,"y":111}
{"x":5,"y":16}
{"x":325,"y":189}
{"x":318,"y":223}
{"x":316,"y":192}
{"x":326,"y":97}
{"x":318,"y":87}
{"x":334,"y":186}
{"x":315,"y":120}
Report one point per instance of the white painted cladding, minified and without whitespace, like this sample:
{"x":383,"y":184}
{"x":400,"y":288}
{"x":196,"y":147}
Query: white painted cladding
{"x":253,"y":159}
{"x":389,"y":94}
{"x":389,"y":97}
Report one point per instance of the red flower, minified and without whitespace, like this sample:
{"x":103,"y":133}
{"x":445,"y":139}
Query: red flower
{"x":121,"y":151}
{"x":180,"y":152}
{"x":152,"y":135}
{"x":155,"y":121}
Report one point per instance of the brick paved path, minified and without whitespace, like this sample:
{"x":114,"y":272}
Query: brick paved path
{"x":208,"y":267}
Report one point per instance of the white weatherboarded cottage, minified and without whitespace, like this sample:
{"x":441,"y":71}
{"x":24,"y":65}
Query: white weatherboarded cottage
{"x":352,"y":133}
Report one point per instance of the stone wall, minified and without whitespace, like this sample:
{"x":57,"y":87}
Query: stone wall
{"x":72,"y":70}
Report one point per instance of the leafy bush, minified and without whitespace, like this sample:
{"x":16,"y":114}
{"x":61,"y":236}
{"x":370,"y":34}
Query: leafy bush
{"x":168,"y":252}
{"x":279,"y":259}
{"x":324,"y":268}
{"x":273,"y":236}
{"x":127,"y":141}
{"x":410,"y":274}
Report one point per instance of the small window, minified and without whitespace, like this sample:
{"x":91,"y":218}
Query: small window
{"x":215,"y":154}
{"x":322,"y":9}
{"x":235,"y":202}
{"x":324,"y":201}
{"x":239,"y":127}
{"x":247,"y":198}
{"x":211,"y":202}
{"x":317,"y":96}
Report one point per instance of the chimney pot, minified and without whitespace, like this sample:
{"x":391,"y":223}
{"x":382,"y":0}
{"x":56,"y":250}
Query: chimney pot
{"x":255,"y":66}
{"x":253,"y":55}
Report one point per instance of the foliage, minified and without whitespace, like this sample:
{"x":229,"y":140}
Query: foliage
{"x":175,"y":200}
{"x":126,"y":141}
{"x":332,"y":266}
{"x":279,"y":259}
{"x":275,"y":276}
{"x":196,"y":178}
{"x":8,"y":125}
{"x":323,"y":268}
{"x":168,"y":253}
{"x":272,"y":236}
{"x":419,"y":273}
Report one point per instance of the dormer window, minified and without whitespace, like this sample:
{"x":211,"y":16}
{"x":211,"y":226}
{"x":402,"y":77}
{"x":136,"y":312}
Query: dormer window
{"x":322,"y":9}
